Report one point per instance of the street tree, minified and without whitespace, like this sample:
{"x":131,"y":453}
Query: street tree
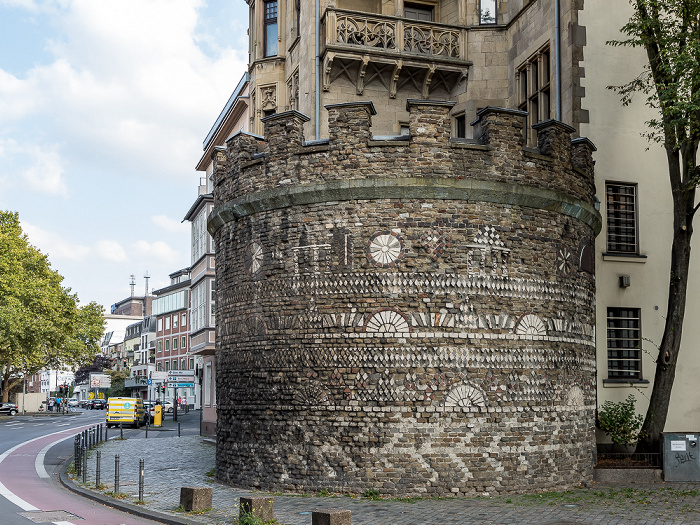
{"x":100,"y":363}
{"x":669,"y":32}
{"x":41,"y":324}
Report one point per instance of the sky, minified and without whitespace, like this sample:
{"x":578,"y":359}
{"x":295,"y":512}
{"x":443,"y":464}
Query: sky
{"x":104,"y":105}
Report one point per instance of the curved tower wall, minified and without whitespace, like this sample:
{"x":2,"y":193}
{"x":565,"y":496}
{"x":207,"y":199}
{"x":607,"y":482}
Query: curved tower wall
{"x":413,"y":316}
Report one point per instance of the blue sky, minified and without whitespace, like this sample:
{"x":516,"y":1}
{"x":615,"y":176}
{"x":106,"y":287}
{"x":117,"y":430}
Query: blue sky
{"x":104,"y":105}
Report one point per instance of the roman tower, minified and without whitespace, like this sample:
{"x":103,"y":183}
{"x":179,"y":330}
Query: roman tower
{"x":405,"y":281}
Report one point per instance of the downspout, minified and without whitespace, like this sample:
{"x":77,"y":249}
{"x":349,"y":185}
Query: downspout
{"x":318,"y":70}
{"x":557,"y":59}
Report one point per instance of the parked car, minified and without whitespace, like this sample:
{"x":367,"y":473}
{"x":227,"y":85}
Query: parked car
{"x":8,"y":408}
{"x":98,"y":404}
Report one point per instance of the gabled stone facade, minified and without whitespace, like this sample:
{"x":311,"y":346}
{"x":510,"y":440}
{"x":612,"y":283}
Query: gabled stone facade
{"x":412,"y":315}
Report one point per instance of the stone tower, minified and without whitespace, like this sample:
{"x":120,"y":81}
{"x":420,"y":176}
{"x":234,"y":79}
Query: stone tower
{"x":413,"y":314}
{"x":405,"y":302}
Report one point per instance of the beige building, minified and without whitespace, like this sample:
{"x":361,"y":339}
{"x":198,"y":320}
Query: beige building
{"x":633,"y":249}
{"x":233,"y":119}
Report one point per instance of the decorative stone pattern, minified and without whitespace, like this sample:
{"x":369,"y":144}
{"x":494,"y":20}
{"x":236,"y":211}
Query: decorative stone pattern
{"x":441,"y":344}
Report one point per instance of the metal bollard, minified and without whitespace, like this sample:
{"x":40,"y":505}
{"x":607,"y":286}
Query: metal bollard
{"x":84,"y":465}
{"x":97,"y":470}
{"x":78,"y":461}
{"x":147,"y":429}
{"x":116,"y":475}
{"x":141,"y":480}
{"x":178,"y":430}
{"x":106,"y":433}
{"x":121,"y":430}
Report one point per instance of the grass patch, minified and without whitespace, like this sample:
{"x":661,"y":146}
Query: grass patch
{"x":372,"y":494}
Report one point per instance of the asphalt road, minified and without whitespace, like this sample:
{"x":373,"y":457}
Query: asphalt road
{"x":32,"y":449}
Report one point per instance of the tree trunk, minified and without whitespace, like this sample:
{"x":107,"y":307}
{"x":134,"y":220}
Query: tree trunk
{"x":667,"y":359}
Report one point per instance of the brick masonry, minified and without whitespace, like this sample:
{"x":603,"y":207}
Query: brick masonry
{"x":411,"y":316}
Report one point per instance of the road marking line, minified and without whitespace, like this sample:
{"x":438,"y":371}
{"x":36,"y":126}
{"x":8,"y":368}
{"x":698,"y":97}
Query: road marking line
{"x":11,"y":496}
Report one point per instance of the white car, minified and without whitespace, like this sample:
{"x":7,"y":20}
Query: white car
{"x":73,"y":402}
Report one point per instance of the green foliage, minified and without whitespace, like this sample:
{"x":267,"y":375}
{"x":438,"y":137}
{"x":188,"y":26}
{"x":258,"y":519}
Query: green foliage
{"x":117,"y":389}
{"x":669,"y":30}
{"x":372,"y":494}
{"x":620,"y":422}
{"x":249,"y":518}
{"x":41,"y":325}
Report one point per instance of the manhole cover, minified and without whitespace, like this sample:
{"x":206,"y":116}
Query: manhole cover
{"x":48,"y":516}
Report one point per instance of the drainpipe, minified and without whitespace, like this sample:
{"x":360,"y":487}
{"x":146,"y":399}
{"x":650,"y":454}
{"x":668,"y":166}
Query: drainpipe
{"x":318,"y":69}
{"x":557,"y":59}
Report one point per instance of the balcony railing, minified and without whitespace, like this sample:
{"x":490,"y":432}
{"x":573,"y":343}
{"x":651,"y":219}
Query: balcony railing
{"x":397,"y":35}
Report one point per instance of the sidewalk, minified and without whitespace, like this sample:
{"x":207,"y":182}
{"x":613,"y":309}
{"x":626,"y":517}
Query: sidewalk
{"x":172,"y":462}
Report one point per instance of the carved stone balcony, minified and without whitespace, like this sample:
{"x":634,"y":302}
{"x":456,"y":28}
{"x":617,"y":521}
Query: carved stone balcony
{"x":393,"y":52}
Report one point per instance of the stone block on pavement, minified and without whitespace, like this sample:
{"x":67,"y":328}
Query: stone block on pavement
{"x":195,"y":498}
{"x":330,"y":517}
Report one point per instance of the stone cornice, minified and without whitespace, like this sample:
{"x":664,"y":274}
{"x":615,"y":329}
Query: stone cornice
{"x":404,"y":188}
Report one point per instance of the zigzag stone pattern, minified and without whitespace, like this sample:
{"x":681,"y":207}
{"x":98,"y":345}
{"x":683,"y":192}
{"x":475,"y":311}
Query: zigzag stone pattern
{"x":401,"y":315}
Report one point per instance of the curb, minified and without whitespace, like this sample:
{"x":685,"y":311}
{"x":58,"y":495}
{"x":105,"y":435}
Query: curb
{"x":129,"y":508}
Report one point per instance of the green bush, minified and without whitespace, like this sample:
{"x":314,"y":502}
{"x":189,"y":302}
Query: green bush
{"x":620,"y":422}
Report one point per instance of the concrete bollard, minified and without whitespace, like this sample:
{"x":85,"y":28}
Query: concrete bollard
{"x":330,"y":517}
{"x":195,"y":498}
{"x":259,"y":506}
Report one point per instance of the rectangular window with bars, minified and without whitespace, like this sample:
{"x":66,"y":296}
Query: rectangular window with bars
{"x":624,"y":343}
{"x":621,"y":209}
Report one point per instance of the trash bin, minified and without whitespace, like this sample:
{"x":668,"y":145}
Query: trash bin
{"x":681,"y":456}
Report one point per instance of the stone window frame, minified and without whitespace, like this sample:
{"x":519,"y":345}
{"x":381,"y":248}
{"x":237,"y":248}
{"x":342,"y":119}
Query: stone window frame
{"x":624,"y":343}
{"x":491,"y":20}
{"x":270,"y":20}
{"x":534,"y":82}
{"x":622,"y":218}
{"x":460,"y":125}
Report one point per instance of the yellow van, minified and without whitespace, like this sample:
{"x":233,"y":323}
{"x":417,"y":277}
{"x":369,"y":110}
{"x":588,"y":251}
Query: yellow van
{"x":126,"y":410}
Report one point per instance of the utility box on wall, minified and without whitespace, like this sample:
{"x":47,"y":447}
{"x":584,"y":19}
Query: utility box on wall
{"x":681,"y":456}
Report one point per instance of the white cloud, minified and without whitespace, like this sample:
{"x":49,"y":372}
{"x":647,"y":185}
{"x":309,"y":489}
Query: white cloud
{"x":45,"y":174}
{"x":54,"y":245}
{"x":126,"y":80}
{"x":156,"y":252}
{"x":111,"y":251}
{"x":170,"y":225}
{"x":41,"y":168}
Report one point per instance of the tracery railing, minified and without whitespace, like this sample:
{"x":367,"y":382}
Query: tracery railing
{"x":431,"y":40}
{"x":393,"y":34}
{"x":365,"y":31}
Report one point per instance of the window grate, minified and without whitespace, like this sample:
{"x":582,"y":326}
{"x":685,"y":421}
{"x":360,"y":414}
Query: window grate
{"x":622,"y":218}
{"x":624,"y":343}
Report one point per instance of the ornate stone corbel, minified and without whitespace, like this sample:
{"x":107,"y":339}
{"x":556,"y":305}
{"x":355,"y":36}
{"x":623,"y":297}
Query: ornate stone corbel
{"x":327,"y":66}
{"x":395,"y":78}
{"x":426,"y":81}
{"x":360,"y":86}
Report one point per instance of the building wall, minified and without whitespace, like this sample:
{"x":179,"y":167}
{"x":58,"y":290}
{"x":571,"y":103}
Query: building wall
{"x":392,"y":314}
{"x":483,"y":72}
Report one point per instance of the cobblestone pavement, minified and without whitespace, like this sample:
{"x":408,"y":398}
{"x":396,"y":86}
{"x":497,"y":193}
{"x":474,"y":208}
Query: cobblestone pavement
{"x":172,"y":462}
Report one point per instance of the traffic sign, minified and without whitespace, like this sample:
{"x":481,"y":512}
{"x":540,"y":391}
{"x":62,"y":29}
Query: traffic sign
{"x":150,"y":382}
{"x":183,"y":385}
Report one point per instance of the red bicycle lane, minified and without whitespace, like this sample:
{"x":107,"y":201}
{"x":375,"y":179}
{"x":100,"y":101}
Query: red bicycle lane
{"x":24,"y":482}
